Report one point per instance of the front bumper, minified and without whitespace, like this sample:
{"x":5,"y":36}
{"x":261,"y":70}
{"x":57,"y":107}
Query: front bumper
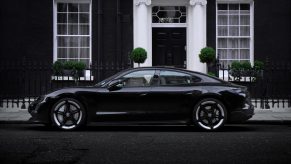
{"x":242,"y":114}
{"x":38,"y":112}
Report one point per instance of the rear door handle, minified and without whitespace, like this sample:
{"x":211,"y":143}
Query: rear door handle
{"x":188,"y":93}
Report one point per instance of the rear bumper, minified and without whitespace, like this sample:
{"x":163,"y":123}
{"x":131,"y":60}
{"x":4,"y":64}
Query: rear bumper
{"x":242,"y":114}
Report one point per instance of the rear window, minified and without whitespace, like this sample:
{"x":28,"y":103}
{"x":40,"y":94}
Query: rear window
{"x":167,"y":78}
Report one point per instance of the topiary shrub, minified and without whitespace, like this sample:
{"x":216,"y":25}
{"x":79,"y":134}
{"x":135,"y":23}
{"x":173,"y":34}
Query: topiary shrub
{"x":80,"y":66}
{"x":258,"y":68}
{"x":74,"y":68}
{"x":246,"y":65}
{"x":69,"y":65}
{"x":207,"y":55}
{"x":246,"y":68}
{"x":258,"y":65}
{"x":236,"y":65}
{"x":236,"y":70}
{"x":58,"y":67}
{"x":138,"y":55}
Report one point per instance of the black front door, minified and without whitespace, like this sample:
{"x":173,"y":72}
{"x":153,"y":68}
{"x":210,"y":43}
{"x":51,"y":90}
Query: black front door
{"x":169,"y":47}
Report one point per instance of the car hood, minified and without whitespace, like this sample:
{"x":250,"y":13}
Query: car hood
{"x":72,"y":90}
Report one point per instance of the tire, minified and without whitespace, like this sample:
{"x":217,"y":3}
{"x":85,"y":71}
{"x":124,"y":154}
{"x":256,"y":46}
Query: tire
{"x":209,"y":114}
{"x":68,"y":114}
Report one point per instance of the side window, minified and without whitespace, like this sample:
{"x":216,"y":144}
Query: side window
{"x":177,"y":78}
{"x":138,"y":78}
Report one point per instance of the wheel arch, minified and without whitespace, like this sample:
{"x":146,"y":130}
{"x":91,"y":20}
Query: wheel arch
{"x":57,"y":98}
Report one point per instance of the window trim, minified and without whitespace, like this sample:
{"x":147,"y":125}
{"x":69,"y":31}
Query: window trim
{"x":121,"y":77}
{"x":55,"y":38}
{"x":251,"y":37}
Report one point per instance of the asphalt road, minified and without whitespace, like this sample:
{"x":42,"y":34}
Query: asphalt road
{"x":249,"y":143}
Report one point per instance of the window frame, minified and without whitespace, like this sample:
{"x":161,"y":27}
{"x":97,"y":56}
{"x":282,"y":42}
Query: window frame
{"x":55,"y":28}
{"x":251,"y":37}
{"x":178,"y":85}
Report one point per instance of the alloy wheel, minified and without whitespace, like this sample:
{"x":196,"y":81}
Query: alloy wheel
{"x":68,"y":114}
{"x":210,"y":114}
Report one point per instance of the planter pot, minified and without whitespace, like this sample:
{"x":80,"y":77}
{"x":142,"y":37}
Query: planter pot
{"x":258,"y":73}
{"x":81,"y":73}
{"x":73,"y":73}
{"x":67,"y":72}
{"x":246,"y":73}
{"x":211,"y":67}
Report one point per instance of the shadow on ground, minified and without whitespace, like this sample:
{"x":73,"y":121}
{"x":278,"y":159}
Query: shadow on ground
{"x":152,"y":128}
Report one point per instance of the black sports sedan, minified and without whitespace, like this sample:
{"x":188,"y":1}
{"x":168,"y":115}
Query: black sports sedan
{"x":147,"y":95}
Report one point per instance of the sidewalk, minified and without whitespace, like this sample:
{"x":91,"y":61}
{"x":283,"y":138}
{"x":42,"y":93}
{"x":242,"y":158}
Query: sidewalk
{"x":17,"y":115}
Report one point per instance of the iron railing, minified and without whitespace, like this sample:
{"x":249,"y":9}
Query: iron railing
{"x":23,"y":81}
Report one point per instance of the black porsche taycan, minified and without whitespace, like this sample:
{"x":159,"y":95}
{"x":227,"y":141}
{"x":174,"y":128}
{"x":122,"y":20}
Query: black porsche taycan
{"x":147,"y":95}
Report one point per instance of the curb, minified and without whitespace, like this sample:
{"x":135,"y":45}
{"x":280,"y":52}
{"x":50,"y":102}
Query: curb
{"x":272,"y":122}
{"x":17,"y":122}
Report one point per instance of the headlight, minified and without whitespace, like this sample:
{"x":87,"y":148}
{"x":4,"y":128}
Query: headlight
{"x":40,"y":99}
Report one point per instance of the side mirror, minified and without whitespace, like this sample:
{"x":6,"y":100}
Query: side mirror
{"x":115,"y":85}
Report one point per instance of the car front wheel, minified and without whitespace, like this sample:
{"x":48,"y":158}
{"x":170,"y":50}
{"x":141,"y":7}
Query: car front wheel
{"x":209,"y":114}
{"x":68,"y":114}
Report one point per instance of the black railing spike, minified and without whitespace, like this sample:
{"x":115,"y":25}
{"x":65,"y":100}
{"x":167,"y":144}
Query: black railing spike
{"x":23,"y":106}
{"x":1,"y":102}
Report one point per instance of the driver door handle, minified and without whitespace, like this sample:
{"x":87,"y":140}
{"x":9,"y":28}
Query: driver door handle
{"x":143,"y":94}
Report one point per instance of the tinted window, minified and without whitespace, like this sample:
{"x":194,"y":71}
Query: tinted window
{"x":177,"y":78}
{"x":138,"y":78}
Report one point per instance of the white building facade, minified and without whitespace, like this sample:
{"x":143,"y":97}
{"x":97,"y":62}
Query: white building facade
{"x":195,"y":28}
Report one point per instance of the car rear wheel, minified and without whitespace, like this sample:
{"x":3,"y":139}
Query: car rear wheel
{"x":68,"y":114}
{"x":209,"y":114}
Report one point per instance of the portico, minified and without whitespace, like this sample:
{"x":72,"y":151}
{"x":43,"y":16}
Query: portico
{"x":194,"y":23}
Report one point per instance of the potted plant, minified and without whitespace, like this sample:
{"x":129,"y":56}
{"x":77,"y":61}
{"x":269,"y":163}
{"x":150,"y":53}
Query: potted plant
{"x":258,"y":68}
{"x":58,"y":67}
{"x":239,"y":69}
{"x":138,"y":55}
{"x":207,"y":55}
{"x":235,"y":70}
{"x":68,"y":68}
{"x":80,"y":68}
{"x":74,"y":68}
{"x":246,"y":68}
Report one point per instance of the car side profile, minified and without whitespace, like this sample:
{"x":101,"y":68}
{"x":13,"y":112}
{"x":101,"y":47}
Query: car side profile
{"x":147,"y":95}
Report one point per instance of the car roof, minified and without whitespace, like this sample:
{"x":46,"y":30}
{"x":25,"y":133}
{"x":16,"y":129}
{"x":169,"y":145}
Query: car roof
{"x":169,"y":68}
{"x":166,"y":68}
{"x":177,"y":69}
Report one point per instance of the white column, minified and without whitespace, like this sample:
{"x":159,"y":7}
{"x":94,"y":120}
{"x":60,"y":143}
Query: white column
{"x":141,"y":30}
{"x":197,"y":35}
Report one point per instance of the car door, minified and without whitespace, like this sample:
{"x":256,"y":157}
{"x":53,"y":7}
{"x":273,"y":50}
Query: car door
{"x":130,"y":102}
{"x":174,"y":94}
